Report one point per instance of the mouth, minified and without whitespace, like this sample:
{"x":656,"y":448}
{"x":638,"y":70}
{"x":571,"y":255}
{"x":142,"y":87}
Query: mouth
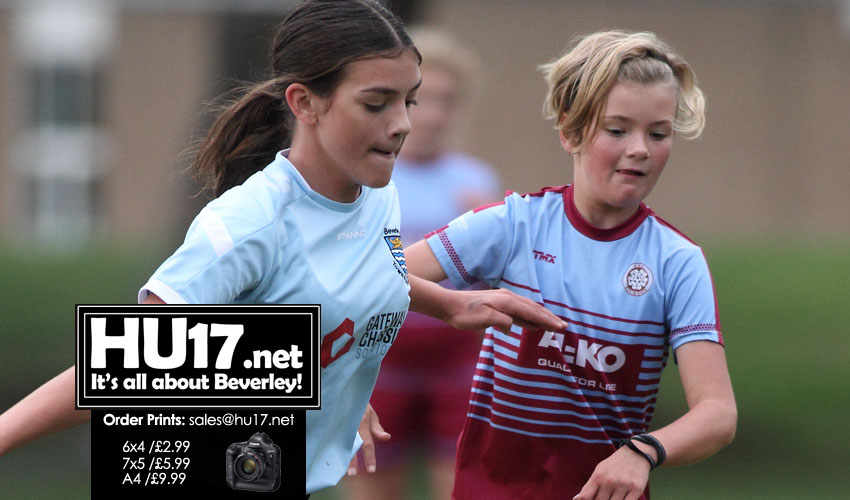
{"x":631,"y":172}
{"x":389,"y":154}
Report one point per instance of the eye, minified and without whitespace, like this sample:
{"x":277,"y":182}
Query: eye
{"x":410,"y":102}
{"x":374,"y":108}
{"x":659,"y":135}
{"x":615,"y":131}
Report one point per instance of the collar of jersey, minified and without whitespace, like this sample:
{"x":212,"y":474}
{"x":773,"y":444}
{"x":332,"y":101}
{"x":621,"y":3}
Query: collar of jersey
{"x":595,"y":233}
{"x":336,"y":206}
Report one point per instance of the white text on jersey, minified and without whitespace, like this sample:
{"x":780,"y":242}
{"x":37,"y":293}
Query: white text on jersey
{"x":594,"y":354}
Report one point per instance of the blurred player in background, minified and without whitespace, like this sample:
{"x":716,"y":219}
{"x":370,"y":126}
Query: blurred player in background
{"x":566,"y":414}
{"x":422,"y":391}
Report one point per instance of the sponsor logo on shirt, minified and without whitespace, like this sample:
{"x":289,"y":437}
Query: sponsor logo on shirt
{"x":337,"y":343}
{"x":381,"y":331}
{"x":602,"y":358}
{"x":637,"y":280}
{"x":393,"y":239}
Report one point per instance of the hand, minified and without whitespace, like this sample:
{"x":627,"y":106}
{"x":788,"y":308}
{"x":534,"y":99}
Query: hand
{"x":369,"y":430}
{"x":499,"y":308}
{"x":622,"y":476}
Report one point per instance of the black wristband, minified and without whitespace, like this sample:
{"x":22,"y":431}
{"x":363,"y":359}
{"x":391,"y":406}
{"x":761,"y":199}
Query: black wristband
{"x":659,"y":450}
{"x":631,"y":446}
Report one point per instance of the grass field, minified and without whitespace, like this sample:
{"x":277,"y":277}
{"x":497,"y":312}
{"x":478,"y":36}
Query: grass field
{"x":785,"y":314}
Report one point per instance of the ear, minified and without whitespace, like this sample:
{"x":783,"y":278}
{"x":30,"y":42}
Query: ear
{"x":303,"y":103}
{"x":566,"y":144}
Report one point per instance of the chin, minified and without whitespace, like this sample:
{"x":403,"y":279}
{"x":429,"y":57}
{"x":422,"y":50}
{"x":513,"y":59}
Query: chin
{"x":378,"y":182}
{"x":625,"y":202}
{"x":629,"y":199}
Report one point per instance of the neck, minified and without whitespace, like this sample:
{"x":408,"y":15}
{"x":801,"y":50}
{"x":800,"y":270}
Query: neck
{"x":321,"y":176}
{"x":602,"y":216}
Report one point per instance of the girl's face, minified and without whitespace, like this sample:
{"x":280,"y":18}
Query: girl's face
{"x":362,"y":125}
{"x":618,"y":167}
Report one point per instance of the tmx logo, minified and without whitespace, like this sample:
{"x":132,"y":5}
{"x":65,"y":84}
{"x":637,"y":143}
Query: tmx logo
{"x":586,"y":353}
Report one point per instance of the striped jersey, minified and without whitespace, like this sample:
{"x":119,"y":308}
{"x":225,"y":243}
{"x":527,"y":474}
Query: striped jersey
{"x":273,"y":240}
{"x":547,"y":407}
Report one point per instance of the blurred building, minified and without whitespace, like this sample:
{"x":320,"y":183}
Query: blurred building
{"x":101,"y":98}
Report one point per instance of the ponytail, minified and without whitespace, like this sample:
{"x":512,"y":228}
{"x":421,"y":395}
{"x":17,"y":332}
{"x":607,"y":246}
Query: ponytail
{"x":244,"y":138}
{"x":312,"y":46}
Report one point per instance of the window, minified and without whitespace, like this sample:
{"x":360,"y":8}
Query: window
{"x":61,"y":151}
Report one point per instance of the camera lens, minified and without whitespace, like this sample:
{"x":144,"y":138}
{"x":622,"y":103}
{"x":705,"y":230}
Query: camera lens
{"x":248,"y":466}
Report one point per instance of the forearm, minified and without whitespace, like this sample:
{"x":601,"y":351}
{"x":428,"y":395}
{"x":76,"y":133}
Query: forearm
{"x":426,"y":296}
{"x":430,"y":298}
{"x":701,"y":432}
{"x":708,"y":426}
{"x":712,"y":417}
{"x":48,"y":409}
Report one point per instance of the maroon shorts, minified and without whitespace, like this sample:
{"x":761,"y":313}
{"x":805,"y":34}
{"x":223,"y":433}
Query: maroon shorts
{"x":422,"y":393}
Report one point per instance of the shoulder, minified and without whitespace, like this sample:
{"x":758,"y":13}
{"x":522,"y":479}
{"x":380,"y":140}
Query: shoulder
{"x":672,"y":244}
{"x":545,"y":202}
{"x":546,"y":198}
{"x":675,"y":238}
{"x":257,"y":203}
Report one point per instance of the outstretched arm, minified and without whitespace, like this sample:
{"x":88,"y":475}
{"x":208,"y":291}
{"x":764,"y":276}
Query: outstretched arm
{"x":48,"y":409}
{"x":473,"y":309}
{"x":707,"y":426}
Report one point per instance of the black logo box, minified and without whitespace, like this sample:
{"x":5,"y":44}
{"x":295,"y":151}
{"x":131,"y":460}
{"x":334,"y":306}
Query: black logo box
{"x":273,"y":364}
{"x":164,"y":459}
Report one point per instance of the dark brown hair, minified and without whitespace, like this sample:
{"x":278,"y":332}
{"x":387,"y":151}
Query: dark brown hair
{"x":312,"y":46}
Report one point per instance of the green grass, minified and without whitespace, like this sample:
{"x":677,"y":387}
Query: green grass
{"x":785,"y":315}
{"x":784,"y":309}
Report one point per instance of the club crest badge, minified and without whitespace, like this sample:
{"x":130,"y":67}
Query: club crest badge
{"x":397,"y":250}
{"x":637,"y":280}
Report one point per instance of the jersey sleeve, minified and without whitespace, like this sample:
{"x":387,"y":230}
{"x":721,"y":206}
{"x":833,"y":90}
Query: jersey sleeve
{"x":692,"y":305}
{"x":475,"y":246}
{"x":220,"y":260}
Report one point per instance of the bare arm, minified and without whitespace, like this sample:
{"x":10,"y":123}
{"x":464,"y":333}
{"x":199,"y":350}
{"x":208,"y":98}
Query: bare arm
{"x":707,"y":426}
{"x":48,"y":409}
{"x":474,"y":309}
{"x":712,"y":418}
{"x":422,"y":262}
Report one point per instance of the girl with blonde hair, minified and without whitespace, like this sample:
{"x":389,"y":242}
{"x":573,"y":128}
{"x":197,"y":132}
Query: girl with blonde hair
{"x":567,"y":413}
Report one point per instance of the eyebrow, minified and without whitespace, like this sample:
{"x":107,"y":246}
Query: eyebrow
{"x":626,"y":119}
{"x":388,"y":90}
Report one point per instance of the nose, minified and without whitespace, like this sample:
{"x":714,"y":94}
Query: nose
{"x":399,"y":125}
{"x":637,"y":148}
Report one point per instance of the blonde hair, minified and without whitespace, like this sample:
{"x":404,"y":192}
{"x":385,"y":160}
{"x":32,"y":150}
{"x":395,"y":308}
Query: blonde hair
{"x":580,"y":80}
{"x":441,"y":49}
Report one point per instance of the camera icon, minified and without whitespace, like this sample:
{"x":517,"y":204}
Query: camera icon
{"x":253,"y":465}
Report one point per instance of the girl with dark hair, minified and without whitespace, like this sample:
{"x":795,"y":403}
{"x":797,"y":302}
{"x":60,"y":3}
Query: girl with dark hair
{"x":305,"y":213}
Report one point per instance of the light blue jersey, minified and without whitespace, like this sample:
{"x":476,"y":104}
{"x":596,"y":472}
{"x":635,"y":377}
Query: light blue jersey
{"x":273,"y":240}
